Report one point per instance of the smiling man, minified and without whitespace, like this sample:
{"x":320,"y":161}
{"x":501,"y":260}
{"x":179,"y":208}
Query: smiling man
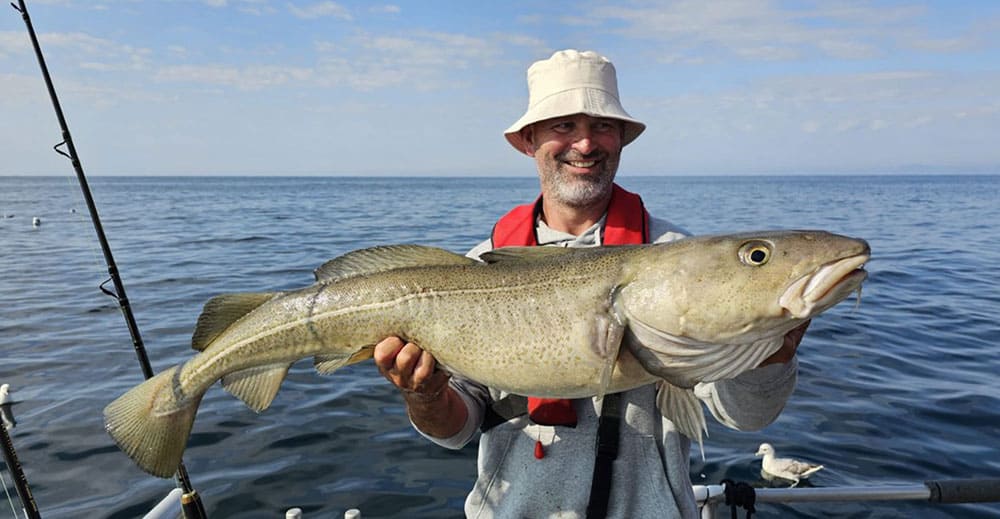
{"x":610,"y":457}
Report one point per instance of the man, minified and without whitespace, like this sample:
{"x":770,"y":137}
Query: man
{"x":540,"y":461}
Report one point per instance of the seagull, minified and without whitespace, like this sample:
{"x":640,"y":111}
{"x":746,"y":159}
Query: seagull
{"x":785,"y":468}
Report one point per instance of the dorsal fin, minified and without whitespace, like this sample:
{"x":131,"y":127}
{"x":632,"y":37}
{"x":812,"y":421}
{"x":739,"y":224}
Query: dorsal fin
{"x":525,"y":253}
{"x":221,"y":312}
{"x":387,"y":257}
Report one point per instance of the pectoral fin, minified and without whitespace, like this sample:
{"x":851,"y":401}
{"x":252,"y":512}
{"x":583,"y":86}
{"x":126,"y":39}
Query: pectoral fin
{"x":610,"y":328}
{"x":681,"y":407}
{"x":608,"y":341}
{"x":257,"y":386}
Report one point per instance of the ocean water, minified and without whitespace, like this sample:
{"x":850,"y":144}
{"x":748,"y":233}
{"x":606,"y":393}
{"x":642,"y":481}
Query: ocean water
{"x":901,"y":389}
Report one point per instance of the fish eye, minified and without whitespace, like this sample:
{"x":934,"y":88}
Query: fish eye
{"x":755,"y":253}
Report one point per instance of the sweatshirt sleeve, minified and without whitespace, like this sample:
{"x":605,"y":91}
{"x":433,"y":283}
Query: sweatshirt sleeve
{"x":752,"y":400}
{"x":476,"y":398}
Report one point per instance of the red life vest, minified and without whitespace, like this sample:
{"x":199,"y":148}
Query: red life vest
{"x":627,"y":223}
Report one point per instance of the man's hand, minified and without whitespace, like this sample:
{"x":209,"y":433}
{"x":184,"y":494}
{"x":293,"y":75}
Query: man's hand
{"x":409,"y":368}
{"x":433,"y":406}
{"x":787,"y":350}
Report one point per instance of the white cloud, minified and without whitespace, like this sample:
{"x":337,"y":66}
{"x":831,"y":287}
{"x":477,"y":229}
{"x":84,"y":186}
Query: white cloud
{"x":386,"y":9}
{"x":768,"y":53}
{"x":177,"y":51}
{"x":320,"y":10}
{"x":241,"y":78}
{"x":916,"y":122}
{"x":886,"y":105}
{"x":13,"y":43}
{"x":766,"y":30}
{"x":522,"y":40}
{"x":78,"y":50}
{"x":846,"y":49}
{"x":423,"y":60}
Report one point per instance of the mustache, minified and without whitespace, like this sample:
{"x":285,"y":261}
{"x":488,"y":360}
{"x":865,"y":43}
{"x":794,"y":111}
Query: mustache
{"x":577,"y":156}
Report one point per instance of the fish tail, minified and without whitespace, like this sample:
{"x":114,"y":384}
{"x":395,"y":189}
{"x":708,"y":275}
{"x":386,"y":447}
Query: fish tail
{"x":152,"y":421}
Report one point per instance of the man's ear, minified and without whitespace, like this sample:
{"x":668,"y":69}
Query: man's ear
{"x":528,"y":140}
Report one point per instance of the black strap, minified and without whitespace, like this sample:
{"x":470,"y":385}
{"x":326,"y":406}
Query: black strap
{"x":507,"y":408}
{"x":608,"y":430}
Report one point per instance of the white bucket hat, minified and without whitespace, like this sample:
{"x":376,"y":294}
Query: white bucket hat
{"x":573,"y":82}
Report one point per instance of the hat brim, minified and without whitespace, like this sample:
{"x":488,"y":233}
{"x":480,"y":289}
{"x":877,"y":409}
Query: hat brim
{"x":589,"y":101}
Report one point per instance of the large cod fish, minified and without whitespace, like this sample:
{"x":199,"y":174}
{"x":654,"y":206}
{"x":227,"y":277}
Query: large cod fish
{"x":540,"y":321}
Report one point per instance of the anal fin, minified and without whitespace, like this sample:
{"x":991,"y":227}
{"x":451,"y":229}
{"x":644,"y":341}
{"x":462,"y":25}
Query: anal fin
{"x":256,"y":386}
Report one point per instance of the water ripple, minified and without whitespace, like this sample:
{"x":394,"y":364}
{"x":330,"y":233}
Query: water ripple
{"x":901,"y":389}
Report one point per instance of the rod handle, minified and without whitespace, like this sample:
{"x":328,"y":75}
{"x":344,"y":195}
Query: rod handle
{"x":964,"y":490}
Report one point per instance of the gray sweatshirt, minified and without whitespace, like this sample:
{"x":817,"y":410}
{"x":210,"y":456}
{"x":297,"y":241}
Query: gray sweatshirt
{"x":651,"y":475}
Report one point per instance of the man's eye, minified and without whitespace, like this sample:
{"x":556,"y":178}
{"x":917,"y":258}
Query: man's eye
{"x":563,"y":127}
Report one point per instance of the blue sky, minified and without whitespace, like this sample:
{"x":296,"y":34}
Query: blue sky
{"x":294,"y":87}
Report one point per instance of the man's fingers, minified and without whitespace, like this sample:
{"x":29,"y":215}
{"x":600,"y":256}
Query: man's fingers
{"x":407,"y":359}
{"x":386,"y":351}
{"x":407,"y":366}
{"x":425,"y":366}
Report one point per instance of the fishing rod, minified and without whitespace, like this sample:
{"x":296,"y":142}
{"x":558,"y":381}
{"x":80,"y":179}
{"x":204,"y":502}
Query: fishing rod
{"x":193,"y":507}
{"x":28,"y":505}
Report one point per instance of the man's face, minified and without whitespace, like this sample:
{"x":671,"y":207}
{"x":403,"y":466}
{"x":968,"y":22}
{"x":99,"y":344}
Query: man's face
{"x":577,"y":156}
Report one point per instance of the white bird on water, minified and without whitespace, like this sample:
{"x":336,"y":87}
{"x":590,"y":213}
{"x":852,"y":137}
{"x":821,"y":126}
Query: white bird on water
{"x":785,"y":468}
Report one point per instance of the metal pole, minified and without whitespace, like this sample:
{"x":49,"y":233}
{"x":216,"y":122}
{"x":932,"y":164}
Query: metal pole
{"x":194,"y":502}
{"x":934,"y":491}
{"x":918,"y":492}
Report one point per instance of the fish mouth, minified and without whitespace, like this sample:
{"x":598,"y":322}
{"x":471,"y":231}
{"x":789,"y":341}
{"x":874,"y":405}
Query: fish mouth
{"x":827,"y":286}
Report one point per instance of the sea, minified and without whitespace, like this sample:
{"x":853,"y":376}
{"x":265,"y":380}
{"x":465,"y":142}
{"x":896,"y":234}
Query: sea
{"x":897,"y":388}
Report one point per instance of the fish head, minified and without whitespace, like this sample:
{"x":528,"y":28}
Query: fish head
{"x":690,"y":303}
{"x":717,"y":288}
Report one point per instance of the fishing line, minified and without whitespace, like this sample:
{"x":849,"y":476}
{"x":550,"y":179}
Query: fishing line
{"x":17,"y":475}
{"x":10,"y":500}
{"x":192,"y":505}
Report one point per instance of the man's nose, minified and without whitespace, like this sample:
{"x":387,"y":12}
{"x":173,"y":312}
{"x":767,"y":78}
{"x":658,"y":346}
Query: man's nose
{"x":583,"y":141}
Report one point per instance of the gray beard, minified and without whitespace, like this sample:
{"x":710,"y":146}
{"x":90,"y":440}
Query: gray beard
{"x":581,"y":193}
{"x":578,"y":192}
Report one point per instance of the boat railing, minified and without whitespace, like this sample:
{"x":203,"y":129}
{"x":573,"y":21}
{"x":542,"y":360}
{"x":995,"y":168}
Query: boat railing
{"x":710,"y":497}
